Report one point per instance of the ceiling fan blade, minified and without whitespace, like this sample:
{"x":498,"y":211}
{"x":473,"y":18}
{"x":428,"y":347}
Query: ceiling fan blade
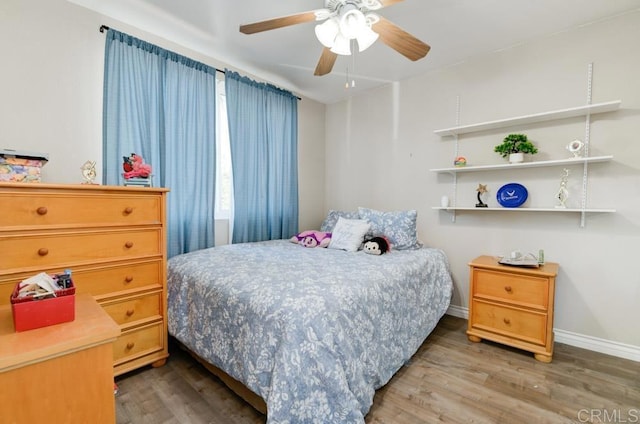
{"x":281,"y":22}
{"x":400,"y":40}
{"x":386,"y":3}
{"x":325,"y":64}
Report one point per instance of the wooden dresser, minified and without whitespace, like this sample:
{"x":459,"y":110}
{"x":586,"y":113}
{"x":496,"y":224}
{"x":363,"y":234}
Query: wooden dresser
{"x":113,"y":239}
{"x":512,"y":305}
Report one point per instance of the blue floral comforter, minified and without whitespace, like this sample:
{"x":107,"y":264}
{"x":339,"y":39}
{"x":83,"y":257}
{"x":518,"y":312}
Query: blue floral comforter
{"x":313,"y":331}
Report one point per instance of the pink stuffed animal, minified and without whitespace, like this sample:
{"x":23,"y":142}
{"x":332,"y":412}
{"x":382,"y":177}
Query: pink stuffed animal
{"x":312,"y":238}
{"x":134,"y":166}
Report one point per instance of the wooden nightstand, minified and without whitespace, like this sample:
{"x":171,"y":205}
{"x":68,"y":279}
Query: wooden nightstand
{"x":62,"y":373}
{"x":512,"y":305}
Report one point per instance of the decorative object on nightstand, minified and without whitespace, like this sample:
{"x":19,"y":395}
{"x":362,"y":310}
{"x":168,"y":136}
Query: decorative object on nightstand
{"x":515,"y":146}
{"x":563,"y":193}
{"x":576,"y":147}
{"x":482,"y":189}
{"x":512,"y":305}
{"x":89,"y":172}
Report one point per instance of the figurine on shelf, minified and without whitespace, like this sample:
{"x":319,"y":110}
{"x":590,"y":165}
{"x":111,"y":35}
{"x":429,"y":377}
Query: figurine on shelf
{"x":89,"y":172}
{"x":482,"y":189}
{"x":575,"y":147}
{"x":563,"y":193}
{"x":460,"y":161}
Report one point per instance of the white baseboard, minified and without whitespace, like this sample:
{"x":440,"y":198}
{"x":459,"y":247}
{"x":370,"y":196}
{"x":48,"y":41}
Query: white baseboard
{"x":458,"y":311}
{"x":621,"y":350}
{"x":608,"y":347}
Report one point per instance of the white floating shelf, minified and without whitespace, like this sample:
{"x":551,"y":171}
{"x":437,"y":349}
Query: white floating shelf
{"x":511,"y":166}
{"x":528,"y":119}
{"x":525,"y":209}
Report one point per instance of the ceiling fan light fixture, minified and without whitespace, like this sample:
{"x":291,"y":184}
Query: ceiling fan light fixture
{"x":352,"y":22}
{"x":327,"y":32}
{"x":366,"y":38}
{"x":342,"y":46}
{"x":371,"y":4}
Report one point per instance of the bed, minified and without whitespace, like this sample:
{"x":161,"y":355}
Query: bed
{"x":313,"y":332}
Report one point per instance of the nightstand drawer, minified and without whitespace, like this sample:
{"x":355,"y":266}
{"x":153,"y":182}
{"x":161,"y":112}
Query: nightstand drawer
{"x":515,"y":289}
{"x":50,"y":250}
{"x":74,"y":209}
{"x":134,"y":310}
{"x":520,"y":324}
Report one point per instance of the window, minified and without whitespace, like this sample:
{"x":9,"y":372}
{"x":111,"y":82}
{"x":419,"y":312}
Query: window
{"x":224,"y":181}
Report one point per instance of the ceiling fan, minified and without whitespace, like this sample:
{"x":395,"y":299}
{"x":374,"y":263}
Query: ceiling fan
{"x":345,"y":23}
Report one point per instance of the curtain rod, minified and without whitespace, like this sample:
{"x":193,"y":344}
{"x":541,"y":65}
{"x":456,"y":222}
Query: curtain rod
{"x":104,"y":28}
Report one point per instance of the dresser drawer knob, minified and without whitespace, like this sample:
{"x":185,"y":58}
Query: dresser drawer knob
{"x":508,"y":289}
{"x":506,"y":321}
{"x":43,"y":251}
{"x":130,"y":312}
{"x":128,"y":210}
{"x":130,"y":345}
{"x":128,"y":244}
{"x":128,"y":278}
{"x":42,"y":210}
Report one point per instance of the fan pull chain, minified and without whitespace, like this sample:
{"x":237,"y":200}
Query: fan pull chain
{"x":348,"y":85}
{"x":353,"y":62}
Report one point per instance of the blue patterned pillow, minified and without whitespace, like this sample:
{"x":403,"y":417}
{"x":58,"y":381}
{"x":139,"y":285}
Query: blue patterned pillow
{"x":398,"y":227}
{"x":331,"y":219}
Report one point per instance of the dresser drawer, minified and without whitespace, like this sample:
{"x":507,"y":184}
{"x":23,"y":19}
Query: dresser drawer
{"x":114,"y":280}
{"x":139,"y":342}
{"x":519,"y":324}
{"x":50,"y":250}
{"x":515,"y":289}
{"x":101,"y":282}
{"x":78,"y":209}
{"x":136,"y":309}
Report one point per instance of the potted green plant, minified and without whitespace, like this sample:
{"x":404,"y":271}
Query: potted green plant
{"x":515,"y":146}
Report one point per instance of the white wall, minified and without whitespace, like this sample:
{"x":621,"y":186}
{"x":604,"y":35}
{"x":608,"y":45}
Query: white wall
{"x":51,"y":94}
{"x":381,"y":145}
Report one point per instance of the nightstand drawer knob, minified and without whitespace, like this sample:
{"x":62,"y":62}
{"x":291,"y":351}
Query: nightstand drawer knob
{"x":506,"y":321}
{"x":128,"y":210}
{"x":128,"y":279}
{"x":130,"y":345}
{"x":130,"y":312}
{"x":508,"y":289}
{"x":42,"y":210}
{"x":128,"y":244}
{"x":43,"y":251}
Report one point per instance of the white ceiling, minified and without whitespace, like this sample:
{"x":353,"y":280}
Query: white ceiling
{"x":456,"y":30}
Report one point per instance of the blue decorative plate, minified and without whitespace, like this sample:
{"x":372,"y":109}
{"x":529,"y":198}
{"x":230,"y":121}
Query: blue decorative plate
{"x":512,"y":195}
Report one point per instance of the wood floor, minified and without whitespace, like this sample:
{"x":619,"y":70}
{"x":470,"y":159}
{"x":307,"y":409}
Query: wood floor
{"x":449,"y":380}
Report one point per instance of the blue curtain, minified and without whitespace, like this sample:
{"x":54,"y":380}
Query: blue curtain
{"x":161,"y":106}
{"x":263,"y":133}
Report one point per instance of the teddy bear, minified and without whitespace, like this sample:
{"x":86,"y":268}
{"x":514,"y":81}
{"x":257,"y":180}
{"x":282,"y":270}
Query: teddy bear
{"x":376,"y":246}
{"x":312,"y":238}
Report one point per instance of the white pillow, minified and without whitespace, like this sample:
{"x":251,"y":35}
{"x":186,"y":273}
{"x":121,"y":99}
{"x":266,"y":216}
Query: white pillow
{"x":348,"y":234}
